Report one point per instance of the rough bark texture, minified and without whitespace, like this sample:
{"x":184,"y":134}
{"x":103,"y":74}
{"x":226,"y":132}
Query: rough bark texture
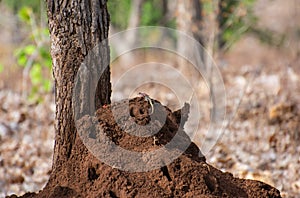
{"x":76,"y":27}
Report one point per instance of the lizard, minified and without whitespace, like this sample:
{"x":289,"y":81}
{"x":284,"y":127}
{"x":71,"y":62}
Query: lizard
{"x":148,"y":99}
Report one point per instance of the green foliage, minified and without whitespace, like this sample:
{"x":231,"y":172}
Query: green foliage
{"x":235,"y":18}
{"x":34,"y":57}
{"x":152,"y":13}
{"x":208,"y":6}
{"x":1,"y":68}
{"x":16,"y":5}
{"x":25,"y":14}
{"x":119,"y":11}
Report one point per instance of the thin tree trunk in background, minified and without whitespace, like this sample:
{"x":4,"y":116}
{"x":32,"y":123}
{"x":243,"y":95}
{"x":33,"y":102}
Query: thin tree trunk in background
{"x":130,"y":37}
{"x":135,"y":13}
{"x":169,"y":9}
{"x":75,"y":28}
{"x":201,"y":24}
{"x":134,"y":21}
{"x":189,"y":21}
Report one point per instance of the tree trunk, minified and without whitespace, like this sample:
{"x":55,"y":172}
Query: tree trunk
{"x":76,"y":27}
{"x":189,"y":20}
{"x":200,"y":23}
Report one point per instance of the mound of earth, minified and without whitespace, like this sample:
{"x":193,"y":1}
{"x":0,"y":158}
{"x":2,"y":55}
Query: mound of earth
{"x":188,"y":175}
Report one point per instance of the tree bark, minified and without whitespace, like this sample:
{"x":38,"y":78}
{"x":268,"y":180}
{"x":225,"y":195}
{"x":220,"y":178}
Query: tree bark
{"x":201,"y":24}
{"x":76,"y":27}
{"x":189,"y":20}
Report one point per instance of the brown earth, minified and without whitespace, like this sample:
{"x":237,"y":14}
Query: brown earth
{"x":187,"y":176}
